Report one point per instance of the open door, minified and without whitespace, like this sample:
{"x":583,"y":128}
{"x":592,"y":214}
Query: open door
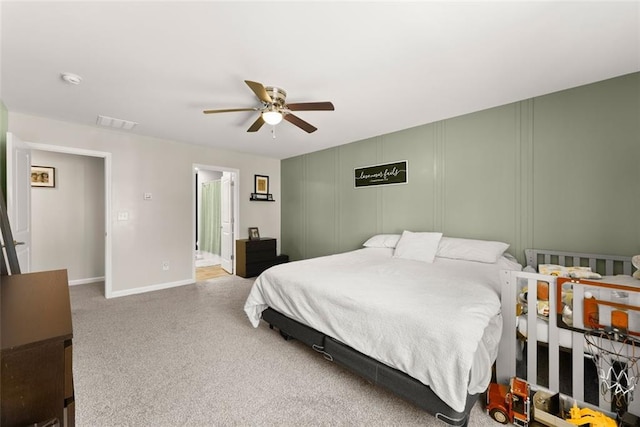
{"x":10,"y":263}
{"x":226,"y":220}
{"x":19,"y":198}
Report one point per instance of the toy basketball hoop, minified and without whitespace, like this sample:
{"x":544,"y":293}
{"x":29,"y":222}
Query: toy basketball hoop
{"x":616,"y":358}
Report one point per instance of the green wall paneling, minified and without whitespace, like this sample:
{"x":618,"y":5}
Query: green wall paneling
{"x":553,"y":172}
{"x":586,"y":153}
{"x":359,"y":208}
{"x":292,"y":185}
{"x":409,"y":206}
{"x":320,"y":204}
{"x":479,"y":174}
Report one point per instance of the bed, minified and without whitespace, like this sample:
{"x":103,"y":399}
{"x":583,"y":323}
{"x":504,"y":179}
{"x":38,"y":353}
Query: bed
{"x":416,"y":313}
{"x":562,"y":330}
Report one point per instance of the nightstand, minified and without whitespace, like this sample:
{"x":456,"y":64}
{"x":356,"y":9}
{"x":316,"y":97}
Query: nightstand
{"x":255,"y":256}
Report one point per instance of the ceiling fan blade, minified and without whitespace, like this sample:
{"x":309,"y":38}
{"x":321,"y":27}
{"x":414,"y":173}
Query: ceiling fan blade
{"x":311,"y":106}
{"x":229,"y":110}
{"x":260,"y":91}
{"x":256,"y":125}
{"x":300,"y":123}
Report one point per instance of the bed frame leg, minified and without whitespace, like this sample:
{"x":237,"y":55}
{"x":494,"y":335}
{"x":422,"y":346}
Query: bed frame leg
{"x":285,"y":336}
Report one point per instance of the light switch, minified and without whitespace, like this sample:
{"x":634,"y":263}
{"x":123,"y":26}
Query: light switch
{"x":123,"y":216}
{"x":148,"y":196}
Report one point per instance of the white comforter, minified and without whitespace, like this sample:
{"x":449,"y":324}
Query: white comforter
{"x":438,"y":322}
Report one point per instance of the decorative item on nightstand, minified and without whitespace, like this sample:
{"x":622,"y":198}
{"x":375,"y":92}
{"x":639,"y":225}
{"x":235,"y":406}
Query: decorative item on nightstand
{"x":636,"y":263}
{"x":254,"y":233}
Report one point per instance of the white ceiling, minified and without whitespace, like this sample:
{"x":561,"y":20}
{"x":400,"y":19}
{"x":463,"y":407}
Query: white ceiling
{"x":386,"y":66}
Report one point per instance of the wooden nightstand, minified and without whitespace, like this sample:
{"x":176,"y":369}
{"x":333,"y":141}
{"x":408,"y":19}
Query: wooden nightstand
{"x":255,"y":256}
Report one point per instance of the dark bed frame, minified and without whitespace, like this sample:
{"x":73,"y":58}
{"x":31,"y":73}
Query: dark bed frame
{"x":373,"y":371}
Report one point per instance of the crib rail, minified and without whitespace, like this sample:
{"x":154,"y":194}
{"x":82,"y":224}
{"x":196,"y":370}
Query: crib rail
{"x":511,"y":348}
{"x":606,"y":265}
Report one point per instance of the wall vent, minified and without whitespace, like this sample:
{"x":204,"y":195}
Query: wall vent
{"x":115,"y":123}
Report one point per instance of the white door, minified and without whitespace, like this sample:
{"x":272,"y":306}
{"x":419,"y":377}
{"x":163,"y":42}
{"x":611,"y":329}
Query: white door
{"x":226,"y":220}
{"x":19,"y":198}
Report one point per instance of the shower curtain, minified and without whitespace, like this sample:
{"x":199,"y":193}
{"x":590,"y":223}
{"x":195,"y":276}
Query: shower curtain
{"x":210,"y":212}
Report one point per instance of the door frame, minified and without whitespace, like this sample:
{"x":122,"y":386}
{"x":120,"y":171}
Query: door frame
{"x":235,"y":206}
{"x":108,"y":256}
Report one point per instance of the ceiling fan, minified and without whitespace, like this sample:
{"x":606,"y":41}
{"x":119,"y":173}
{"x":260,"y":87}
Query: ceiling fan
{"x":274,"y":108}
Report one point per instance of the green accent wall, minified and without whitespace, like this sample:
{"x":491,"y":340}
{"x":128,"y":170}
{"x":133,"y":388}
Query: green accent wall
{"x":560,"y":171}
{"x":4,"y":127}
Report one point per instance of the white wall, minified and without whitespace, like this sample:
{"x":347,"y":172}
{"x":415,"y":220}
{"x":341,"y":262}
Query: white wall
{"x":67,"y":221}
{"x":161,"y":229}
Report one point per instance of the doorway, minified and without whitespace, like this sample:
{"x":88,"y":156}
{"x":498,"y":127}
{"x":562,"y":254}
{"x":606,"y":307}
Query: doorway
{"x":106,"y":185}
{"x":215,"y":210}
{"x":77,"y":222}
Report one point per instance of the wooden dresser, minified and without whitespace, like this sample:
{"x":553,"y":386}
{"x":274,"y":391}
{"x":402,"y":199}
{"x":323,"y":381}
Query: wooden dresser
{"x":255,"y":256}
{"x":36,"y":353}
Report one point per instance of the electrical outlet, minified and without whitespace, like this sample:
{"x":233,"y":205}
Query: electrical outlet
{"x":165,"y":265}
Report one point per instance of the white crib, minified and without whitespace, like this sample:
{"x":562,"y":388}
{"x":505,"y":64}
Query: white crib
{"x":510,"y":346}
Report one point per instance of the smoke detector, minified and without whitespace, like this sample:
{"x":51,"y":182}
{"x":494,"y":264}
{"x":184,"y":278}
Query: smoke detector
{"x":71,"y":78}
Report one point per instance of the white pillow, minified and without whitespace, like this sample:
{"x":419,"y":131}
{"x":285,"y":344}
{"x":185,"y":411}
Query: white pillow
{"x":420,"y":246}
{"x":471,"y":250}
{"x":382,"y":241}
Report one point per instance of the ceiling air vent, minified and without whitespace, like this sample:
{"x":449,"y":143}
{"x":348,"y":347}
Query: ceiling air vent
{"x":115,"y":123}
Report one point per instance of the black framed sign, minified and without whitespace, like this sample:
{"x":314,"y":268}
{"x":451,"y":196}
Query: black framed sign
{"x":387,"y":174}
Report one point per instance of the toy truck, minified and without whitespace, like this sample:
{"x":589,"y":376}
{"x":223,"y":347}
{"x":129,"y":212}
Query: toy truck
{"x":512,"y":404}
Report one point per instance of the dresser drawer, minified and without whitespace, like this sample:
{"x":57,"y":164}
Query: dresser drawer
{"x":261,"y":246}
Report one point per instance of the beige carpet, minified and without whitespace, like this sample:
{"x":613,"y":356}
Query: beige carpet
{"x":188,"y":356}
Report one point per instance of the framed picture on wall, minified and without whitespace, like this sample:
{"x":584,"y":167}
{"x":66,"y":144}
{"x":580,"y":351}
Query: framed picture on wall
{"x":261,"y":185}
{"x":254,"y":234}
{"x":43,"y":176}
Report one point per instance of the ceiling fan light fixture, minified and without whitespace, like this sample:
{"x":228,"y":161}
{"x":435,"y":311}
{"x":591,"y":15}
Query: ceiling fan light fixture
{"x":272,"y":117}
{"x":273,"y":108}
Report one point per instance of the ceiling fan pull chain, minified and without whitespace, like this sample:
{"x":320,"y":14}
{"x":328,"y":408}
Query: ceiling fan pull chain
{"x":273,"y":131}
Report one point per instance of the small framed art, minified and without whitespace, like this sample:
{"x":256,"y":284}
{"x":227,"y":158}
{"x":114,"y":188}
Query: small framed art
{"x":43,"y":176}
{"x":254,"y":234}
{"x":261,"y":184}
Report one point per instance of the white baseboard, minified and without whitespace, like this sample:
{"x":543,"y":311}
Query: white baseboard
{"x":151,"y":288}
{"x":86,"y":281}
